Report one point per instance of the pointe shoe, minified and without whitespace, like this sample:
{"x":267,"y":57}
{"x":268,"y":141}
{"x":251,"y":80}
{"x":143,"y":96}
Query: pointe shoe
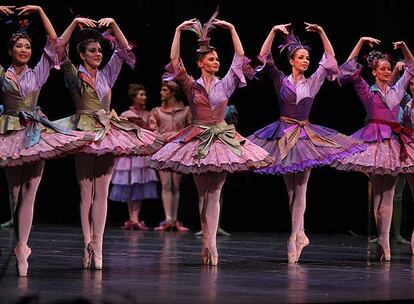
{"x":129,"y":225}
{"x":141,"y":226}
{"x":21,"y":260}
{"x":291,"y":250}
{"x":97,"y":260}
{"x":207,"y":258}
{"x":222,"y":232}
{"x":179,"y":227}
{"x":383,"y":251}
{"x":400,"y":240}
{"x":301,"y":242}
{"x":165,"y":226}
{"x":87,"y":257}
{"x":7,"y":224}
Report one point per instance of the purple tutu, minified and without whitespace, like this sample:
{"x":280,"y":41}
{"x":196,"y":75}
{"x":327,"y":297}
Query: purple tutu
{"x":304,"y":154}
{"x":133,"y":180}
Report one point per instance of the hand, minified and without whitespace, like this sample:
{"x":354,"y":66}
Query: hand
{"x":398,"y":44}
{"x":28,"y":9}
{"x":85,"y":22}
{"x":283,"y":28}
{"x":6,"y":10}
{"x":370,"y":41}
{"x":106,"y":22}
{"x":223,"y":24}
{"x":400,"y":65}
{"x":187,"y":24}
{"x":312,"y":27}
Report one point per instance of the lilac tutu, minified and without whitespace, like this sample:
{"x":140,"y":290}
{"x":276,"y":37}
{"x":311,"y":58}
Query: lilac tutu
{"x":304,"y":155}
{"x":133,"y":180}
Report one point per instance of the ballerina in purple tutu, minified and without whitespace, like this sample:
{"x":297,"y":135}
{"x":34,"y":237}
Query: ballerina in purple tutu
{"x":209,"y":148}
{"x":133,"y":180}
{"x":390,"y":144}
{"x":27,"y":137}
{"x":295,"y":143}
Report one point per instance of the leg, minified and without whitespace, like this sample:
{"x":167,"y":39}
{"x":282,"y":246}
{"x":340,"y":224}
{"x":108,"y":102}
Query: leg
{"x":30,"y":177}
{"x":167,"y":200}
{"x":384,"y":213}
{"x":176,"y":181}
{"x":85,"y":164}
{"x":104,"y":167}
{"x":410,"y":181}
{"x":397,"y":210}
{"x":221,"y":231}
{"x":210,"y":185}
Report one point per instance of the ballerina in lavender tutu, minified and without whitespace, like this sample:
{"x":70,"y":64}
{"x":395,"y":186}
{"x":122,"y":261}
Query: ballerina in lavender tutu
{"x":296,"y":144}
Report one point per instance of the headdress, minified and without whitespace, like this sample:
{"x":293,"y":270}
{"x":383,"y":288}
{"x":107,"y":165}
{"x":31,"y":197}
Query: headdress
{"x":291,"y":43}
{"x":203,"y":32}
{"x":375,"y":56}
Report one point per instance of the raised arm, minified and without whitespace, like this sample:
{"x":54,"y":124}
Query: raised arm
{"x":363,"y":40}
{"x":77,"y":21}
{"x":267,"y":44}
{"x":399,"y":67}
{"x":175,"y":46}
{"x":7,"y":10}
{"x":28,"y":9}
{"x":119,"y":36}
{"x":238,"y":48}
{"x":327,"y":46}
{"x":408,"y":56}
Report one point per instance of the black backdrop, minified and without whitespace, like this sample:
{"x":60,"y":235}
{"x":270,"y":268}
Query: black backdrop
{"x":337,"y":201}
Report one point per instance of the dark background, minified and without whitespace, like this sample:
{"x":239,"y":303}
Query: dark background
{"x":337,"y":201}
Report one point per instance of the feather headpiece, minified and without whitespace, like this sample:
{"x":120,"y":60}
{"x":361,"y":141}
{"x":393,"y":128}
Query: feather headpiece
{"x":203,"y":32}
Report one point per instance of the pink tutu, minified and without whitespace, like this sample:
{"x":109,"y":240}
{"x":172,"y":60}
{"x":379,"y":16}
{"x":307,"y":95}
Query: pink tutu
{"x":181,"y":157}
{"x":380,"y":158}
{"x":50,"y":145}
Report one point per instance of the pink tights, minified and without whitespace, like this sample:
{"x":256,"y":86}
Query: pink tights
{"x":94,"y":175}
{"x":209,"y":187}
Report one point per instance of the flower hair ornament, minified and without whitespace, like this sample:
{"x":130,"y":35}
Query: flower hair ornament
{"x":292,"y":43}
{"x":203,"y":32}
{"x":375,"y":56}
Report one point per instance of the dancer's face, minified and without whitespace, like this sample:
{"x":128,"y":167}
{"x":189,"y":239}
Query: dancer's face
{"x":92,"y":55}
{"x":300,"y":60}
{"x":209,"y":62}
{"x":166,"y":93}
{"x":382,"y":71}
{"x":21,"y":52}
{"x":411,"y":86}
{"x":140,"y":99}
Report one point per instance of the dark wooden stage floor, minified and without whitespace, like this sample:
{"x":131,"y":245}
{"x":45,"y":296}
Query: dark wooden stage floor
{"x":151,"y":267}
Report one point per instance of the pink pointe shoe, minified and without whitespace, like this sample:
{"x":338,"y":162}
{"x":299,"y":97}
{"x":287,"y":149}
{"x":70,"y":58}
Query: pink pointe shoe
{"x":301,"y":242}
{"x":383,"y":250}
{"x":22,"y":254}
{"x":291,"y":250}
{"x":207,"y":258}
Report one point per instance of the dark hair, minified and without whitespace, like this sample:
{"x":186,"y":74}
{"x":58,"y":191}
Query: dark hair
{"x":374,"y":57}
{"x":201,"y":55}
{"x":134,"y":88}
{"x":17,"y":36}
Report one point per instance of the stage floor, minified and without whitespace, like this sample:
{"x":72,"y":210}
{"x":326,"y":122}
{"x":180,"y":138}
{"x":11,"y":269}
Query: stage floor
{"x":151,"y":267}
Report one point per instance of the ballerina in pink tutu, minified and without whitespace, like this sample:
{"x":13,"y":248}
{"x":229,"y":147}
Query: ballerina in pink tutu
{"x":133,"y":180}
{"x":296,"y":144}
{"x":90,"y":88}
{"x":390,"y":149}
{"x":209,"y":148}
{"x":27,"y":137}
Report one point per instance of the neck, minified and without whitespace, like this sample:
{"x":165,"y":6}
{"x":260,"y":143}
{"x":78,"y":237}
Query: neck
{"x":92,"y":71}
{"x":171,"y":102}
{"x":296,"y":75}
{"x":382,"y":85}
{"x":207,"y":79}
{"x":138,"y":107}
{"x":19,"y":68}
